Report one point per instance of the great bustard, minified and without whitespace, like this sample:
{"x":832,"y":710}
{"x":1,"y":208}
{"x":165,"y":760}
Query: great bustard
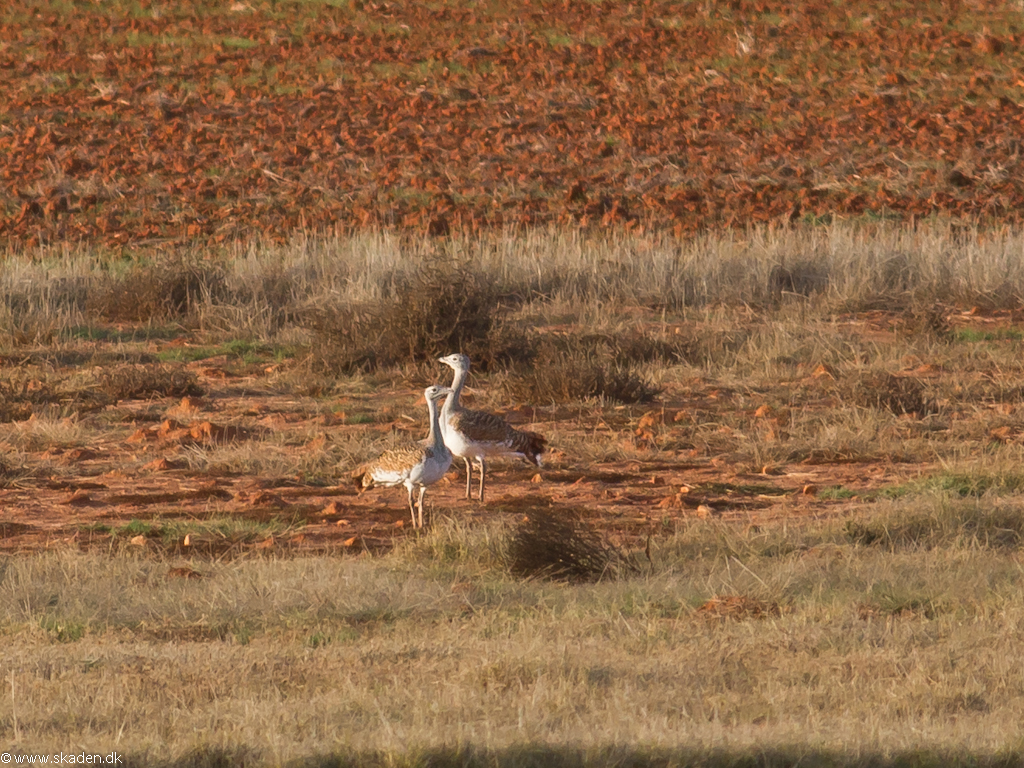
{"x":417,"y":466}
{"x":475,"y":435}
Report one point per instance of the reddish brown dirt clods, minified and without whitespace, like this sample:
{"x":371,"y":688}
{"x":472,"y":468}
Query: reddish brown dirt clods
{"x":211,"y":122}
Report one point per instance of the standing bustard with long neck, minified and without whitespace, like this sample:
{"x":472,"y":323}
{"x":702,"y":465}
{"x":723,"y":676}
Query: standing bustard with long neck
{"x":475,"y":435}
{"x":417,"y":466}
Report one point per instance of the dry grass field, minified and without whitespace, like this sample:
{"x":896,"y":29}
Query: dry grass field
{"x":779,"y":524}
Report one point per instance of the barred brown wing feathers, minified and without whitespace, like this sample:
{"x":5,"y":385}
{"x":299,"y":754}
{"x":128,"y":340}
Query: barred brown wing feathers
{"x":481,"y":427}
{"x":397,"y":459}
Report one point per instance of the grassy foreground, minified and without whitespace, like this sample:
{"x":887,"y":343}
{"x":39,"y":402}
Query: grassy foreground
{"x":880,"y":624}
{"x":900,"y":647}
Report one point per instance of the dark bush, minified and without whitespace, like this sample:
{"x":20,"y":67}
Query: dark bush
{"x":567,"y":379}
{"x":559,"y":544}
{"x":692,"y":345}
{"x":12,"y":476}
{"x":142,"y":381}
{"x":570,"y":369}
{"x":436,"y":309}
{"x":156,"y":292}
{"x":897,"y":394}
{"x":954,"y":523}
{"x":803,"y":278}
{"x":929,"y":321}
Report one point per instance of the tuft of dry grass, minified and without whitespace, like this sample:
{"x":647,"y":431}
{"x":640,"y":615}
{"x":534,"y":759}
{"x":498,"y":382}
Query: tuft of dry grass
{"x":20,"y":393}
{"x":157,"y":291}
{"x":439,"y":307}
{"x":32,"y":393}
{"x":142,"y":381}
{"x":897,"y":394}
{"x":560,"y":544}
{"x":48,"y":431}
{"x":570,"y":379}
{"x":569,"y":372}
{"x":269,"y":458}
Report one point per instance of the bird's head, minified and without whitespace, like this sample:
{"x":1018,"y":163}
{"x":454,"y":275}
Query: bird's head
{"x":456,"y":361}
{"x":436,"y":393}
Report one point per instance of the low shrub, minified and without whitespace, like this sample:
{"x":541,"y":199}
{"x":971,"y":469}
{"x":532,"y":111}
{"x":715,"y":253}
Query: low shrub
{"x":140,"y":381}
{"x":896,"y":394}
{"x":156,"y":291}
{"x":560,"y":544}
{"x":432,"y":311}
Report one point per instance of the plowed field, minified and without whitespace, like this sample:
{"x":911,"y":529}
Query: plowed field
{"x":132,"y":124}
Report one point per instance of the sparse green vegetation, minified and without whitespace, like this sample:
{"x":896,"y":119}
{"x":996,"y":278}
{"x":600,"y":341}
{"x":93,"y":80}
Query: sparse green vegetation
{"x":975,"y":335}
{"x":836,"y":492}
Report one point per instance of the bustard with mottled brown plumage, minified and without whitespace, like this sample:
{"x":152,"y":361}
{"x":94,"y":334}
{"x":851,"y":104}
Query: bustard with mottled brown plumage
{"x":414,"y":467}
{"x":475,"y":435}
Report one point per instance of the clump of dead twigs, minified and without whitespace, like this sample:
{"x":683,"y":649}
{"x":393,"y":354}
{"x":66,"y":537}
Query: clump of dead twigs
{"x":429,"y":312}
{"x":897,"y":394}
{"x":561,"y":545}
{"x":127,"y":382}
{"x":157,"y":291}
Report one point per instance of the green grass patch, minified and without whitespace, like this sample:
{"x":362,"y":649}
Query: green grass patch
{"x":63,"y":631}
{"x":897,"y":600}
{"x":241,"y":43}
{"x":246,"y":351}
{"x":137,"y":528}
{"x":974,"y":335}
{"x":955,"y":483}
{"x":837,"y":493}
{"x":364,"y":417}
{"x":96,"y":528}
{"x":227,"y":529}
{"x":251,"y":352}
{"x":144,"y":39}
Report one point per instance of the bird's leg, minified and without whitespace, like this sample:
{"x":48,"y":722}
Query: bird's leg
{"x":469,"y":478}
{"x":483,"y":474}
{"x":412,"y":509}
{"x":423,"y":490}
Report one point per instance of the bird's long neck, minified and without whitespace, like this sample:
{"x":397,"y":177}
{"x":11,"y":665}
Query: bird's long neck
{"x":434,"y":438}
{"x":451,"y":403}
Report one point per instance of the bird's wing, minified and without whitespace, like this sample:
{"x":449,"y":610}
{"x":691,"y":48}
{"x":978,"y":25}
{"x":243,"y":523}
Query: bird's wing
{"x":481,"y":427}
